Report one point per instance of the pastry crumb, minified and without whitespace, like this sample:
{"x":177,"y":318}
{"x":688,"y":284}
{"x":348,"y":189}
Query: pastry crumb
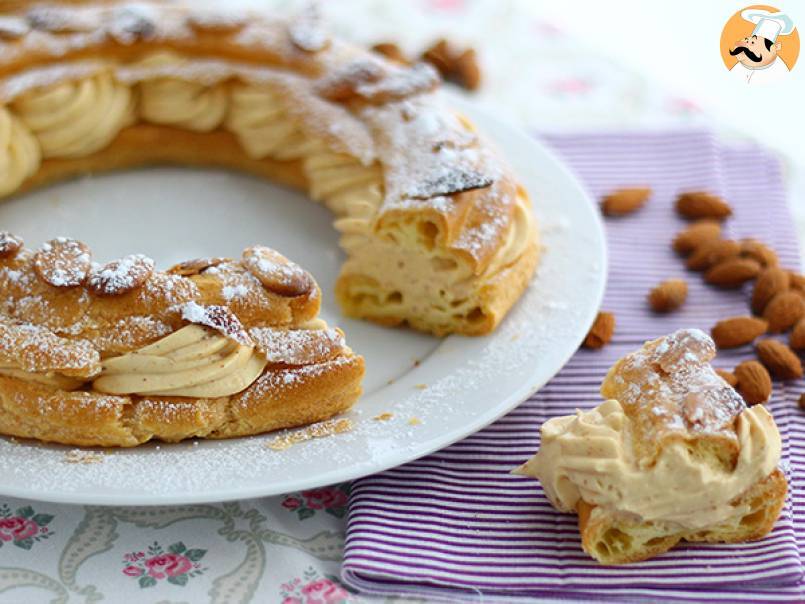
{"x":83,"y":457}
{"x":383,"y":417}
{"x":319,"y":430}
{"x":414,"y":421}
{"x":420,"y":386}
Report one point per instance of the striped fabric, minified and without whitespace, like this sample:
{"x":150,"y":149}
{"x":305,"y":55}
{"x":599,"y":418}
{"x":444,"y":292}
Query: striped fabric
{"x":457,"y":523}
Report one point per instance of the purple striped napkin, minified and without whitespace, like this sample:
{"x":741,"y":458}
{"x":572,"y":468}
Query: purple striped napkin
{"x":457,"y":523}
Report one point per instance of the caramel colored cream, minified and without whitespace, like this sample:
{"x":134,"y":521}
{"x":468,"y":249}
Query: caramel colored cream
{"x":193,"y":361}
{"x":589,"y":456}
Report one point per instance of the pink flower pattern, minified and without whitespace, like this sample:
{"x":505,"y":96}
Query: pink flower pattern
{"x":312,"y":588}
{"x":177,"y":565}
{"x":23,"y":527}
{"x":331,"y":500}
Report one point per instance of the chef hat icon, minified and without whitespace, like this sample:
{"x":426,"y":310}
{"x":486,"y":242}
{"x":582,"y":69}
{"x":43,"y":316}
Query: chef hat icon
{"x":768,"y":25}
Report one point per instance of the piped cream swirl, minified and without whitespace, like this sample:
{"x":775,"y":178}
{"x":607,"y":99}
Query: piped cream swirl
{"x":258,"y":118}
{"x":76,"y":118}
{"x":19,"y":152}
{"x":182,"y":103}
{"x":194,"y":361}
{"x":590,"y":456}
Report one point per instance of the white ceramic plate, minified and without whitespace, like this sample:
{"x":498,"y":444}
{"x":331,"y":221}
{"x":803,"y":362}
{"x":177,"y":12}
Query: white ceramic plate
{"x":438,"y":391}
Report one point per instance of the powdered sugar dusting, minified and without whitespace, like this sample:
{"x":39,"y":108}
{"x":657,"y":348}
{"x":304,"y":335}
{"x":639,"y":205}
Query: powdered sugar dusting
{"x":298,"y":346}
{"x":219,"y":318}
{"x":669,"y":388}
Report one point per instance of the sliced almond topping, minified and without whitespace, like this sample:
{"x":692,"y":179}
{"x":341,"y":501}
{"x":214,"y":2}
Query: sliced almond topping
{"x":277,"y":274}
{"x":342,"y":84}
{"x":391,"y":51}
{"x":188,"y":268}
{"x":307,"y":32}
{"x":9,"y":244}
{"x":63,"y":262}
{"x":219,"y":318}
{"x":399,"y":84}
{"x":121,"y":276}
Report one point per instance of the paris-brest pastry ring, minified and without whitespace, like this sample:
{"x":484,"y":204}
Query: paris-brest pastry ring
{"x":438,"y":233}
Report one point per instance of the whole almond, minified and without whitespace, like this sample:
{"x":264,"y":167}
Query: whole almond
{"x":712,"y":252}
{"x":601,"y":332}
{"x":699,"y":204}
{"x":797,"y":338}
{"x":770,"y":282}
{"x":761,"y":252}
{"x":692,"y":237}
{"x":121,"y":276}
{"x":277,"y":274}
{"x":754,"y":382}
{"x":733,"y":272}
{"x":466,"y":72}
{"x":668,"y":295}
{"x":63,"y":262}
{"x":625,"y":201}
{"x":784,"y":310}
{"x":10,"y":245}
{"x":391,"y":51}
{"x":727,"y":376}
{"x":779,"y":359}
{"x":737,"y":331}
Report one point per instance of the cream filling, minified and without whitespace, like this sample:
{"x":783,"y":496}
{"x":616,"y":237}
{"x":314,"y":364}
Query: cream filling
{"x":181,"y":103}
{"x":590,"y":456}
{"x":19,"y":152}
{"x":257,"y":116}
{"x":193,"y":361}
{"x":55,"y":380}
{"x":76,"y":118}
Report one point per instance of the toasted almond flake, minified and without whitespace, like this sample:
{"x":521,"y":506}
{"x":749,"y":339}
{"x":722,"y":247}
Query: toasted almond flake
{"x":319,"y":430}
{"x":77,"y":456}
{"x":383,"y":417}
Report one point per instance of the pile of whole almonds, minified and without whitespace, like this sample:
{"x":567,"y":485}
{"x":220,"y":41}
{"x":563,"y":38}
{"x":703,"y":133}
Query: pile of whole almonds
{"x":777,"y":300}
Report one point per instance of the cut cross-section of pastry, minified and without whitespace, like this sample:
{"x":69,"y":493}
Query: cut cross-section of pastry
{"x":438,"y":232}
{"x":120,"y":354}
{"x":674,"y":454}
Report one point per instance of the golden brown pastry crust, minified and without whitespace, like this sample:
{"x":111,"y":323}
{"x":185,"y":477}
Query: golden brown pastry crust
{"x":765,"y":501}
{"x":73,"y":328}
{"x":377,"y":102}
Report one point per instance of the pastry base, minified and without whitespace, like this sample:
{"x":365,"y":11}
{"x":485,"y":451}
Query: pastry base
{"x":611,"y":541}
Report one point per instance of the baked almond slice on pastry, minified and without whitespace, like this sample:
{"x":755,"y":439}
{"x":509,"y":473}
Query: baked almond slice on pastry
{"x":437,"y":231}
{"x":672,"y":455}
{"x":127,"y":354}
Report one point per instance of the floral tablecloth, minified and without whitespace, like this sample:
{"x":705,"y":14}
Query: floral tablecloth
{"x":287,"y":549}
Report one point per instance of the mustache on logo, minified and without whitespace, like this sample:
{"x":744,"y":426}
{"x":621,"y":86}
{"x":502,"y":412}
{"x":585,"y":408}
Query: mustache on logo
{"x":743,"y":49}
